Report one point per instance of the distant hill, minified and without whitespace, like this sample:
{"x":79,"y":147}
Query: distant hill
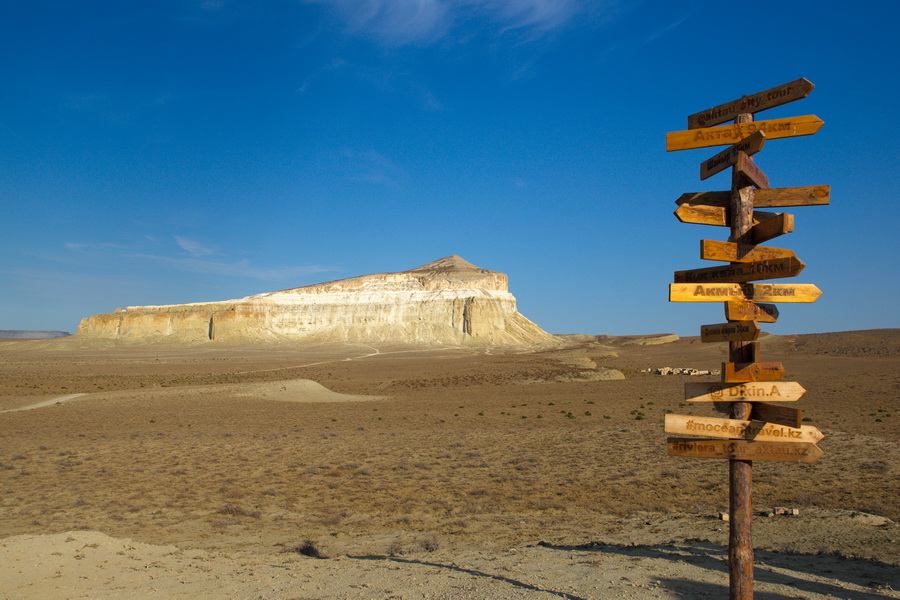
{"x":24,"y":334}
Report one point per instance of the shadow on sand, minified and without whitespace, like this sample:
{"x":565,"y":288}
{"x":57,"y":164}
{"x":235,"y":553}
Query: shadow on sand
{"x":474,"y":573}
{"x":804,"y":573}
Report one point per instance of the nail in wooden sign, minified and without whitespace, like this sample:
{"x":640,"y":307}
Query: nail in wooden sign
{"x":761,"y":292}
{"x":729,"y":134}
{"x":743,"y":253}
{"x":744,"y":450}
{"x":759,"y":431}
{"x":729,"y":156}
{"x":755,"y":371}
{"x":716,"y":391}
{"x":739,"y":331}
{"x":752,"y":271}
{"x":815,"y":195}
{"x":776,"y":96}
{"x":752,"y":174}
{"x":749,"y":311}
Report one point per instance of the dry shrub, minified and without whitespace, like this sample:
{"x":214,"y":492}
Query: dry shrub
{"x":236,"y":510}
{"x":306,"y":548}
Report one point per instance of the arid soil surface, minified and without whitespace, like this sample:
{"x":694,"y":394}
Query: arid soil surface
{"x":215,"y":471}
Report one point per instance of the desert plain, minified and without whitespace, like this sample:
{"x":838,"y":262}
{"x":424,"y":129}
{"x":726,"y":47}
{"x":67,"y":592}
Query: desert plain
{"x":296,"y":471}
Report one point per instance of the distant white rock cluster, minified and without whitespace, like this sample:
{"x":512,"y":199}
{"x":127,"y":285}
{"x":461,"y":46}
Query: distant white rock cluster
{"x":449,"y":301}
{"x":678,"y":371}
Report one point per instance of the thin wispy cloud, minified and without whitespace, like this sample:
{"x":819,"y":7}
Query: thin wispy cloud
{"x":193,"y":247}
{"x":400,"y":22}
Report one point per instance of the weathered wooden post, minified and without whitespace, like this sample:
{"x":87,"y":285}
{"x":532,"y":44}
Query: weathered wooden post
{"x":755,"y":430}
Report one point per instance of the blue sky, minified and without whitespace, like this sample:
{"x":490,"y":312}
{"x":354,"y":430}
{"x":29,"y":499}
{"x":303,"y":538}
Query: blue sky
{"x":186,"y":150}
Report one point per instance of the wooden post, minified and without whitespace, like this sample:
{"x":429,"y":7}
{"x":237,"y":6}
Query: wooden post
{"x":740,"y":495}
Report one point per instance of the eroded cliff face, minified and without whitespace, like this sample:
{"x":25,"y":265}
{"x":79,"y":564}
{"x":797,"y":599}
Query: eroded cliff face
{"x":449,"y":301}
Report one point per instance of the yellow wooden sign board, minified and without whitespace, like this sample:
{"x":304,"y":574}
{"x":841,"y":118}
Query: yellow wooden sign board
{"x":775,"y":413}
{"x":775,"y":268}
{"x":744,"y":450}
{"x":776,"y":96}
{"x":742,"y":253}
{"x":739,"y":331}
{"x":755,"y":371}
{"x":701,"y":214}
{"x":749,"y":311}
{"x":815,"y":195}
{"x":739,"y":429}
{"x":762,"y":292}
{"x":723,"y":135}
{"x":717,"y":391}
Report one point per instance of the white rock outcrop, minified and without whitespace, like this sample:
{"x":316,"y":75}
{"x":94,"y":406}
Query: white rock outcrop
{"x":449,"y":301}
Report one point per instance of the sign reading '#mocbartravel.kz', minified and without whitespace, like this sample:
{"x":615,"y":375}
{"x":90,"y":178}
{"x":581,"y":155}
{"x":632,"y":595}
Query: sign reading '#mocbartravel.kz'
{"x":740,"y":429}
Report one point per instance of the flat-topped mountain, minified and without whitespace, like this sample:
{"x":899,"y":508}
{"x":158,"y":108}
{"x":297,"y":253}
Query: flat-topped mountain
{"x":449,"y":301}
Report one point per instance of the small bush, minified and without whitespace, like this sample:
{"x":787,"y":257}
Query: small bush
{"x":236,"y":510}
{"x":306,"y":548}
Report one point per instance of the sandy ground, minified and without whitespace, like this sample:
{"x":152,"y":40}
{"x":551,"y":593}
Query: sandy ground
{"x":207,"y":472}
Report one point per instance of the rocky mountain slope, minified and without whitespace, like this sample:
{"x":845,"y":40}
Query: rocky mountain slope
{"x":449,"y":301}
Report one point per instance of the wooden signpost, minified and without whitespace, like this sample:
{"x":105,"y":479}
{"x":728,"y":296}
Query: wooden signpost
{"x":755,"y":429}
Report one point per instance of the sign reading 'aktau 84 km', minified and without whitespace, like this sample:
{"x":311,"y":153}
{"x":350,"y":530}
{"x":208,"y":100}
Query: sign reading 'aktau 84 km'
{"x":729,"y":134}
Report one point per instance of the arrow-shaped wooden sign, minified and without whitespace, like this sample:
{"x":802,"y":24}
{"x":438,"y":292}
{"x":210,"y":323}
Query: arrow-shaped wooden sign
{"x":761,"y":292}
{"x":752,"y":174}
{"x":752,"y":271}
{"x":743,"y":450}
{"x":773,"y":413}
{"x":776,"y":96}
{"x":749,"y":311}
{"x":815,"y":195}
{"x":701,"y":214}
{"x":759,"y":431}
{"x":754,"y":371}
{"x":743,"y":253}
{"x":716,"y":391}
{"x":729,"y":156}
{"x":739,"y":331}
{"x":779,"y":224}
{"x":729,"y":134}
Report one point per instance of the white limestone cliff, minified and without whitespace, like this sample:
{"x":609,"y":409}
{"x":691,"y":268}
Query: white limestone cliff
{"x":448,"y":302}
